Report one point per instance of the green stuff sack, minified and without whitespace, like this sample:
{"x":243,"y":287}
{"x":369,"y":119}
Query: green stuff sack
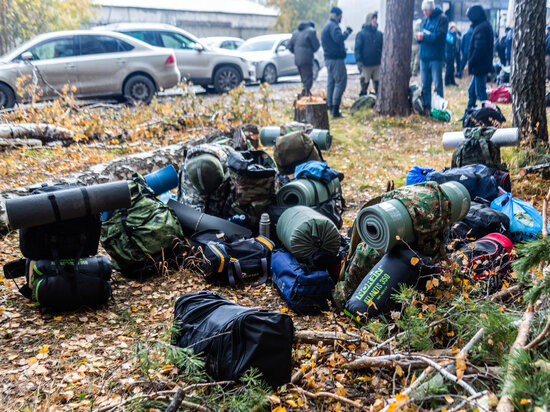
{"x":293,"y":149}
{"x":306,"y":233}
{"x":477,"y":148}
{"x":363,"y":102}
{"x":141,"y":239}
{"x":441,"y":115}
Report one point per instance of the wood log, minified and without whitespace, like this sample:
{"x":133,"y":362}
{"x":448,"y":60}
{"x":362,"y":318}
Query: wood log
{"x":118,"y":169}
{"x":312,"y":110}
{"x":44,"y":132}
{"x":542,"y":168}
{"x":13,"y":143}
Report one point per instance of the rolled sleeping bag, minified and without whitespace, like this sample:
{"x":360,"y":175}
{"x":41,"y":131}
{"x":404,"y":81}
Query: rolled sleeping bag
{"x":205,"y":172}
{"x":321,"y":137}
{"x":193,"y":221}
{"x":162,"y":180}
{"x":306,"y":233}
{"x":384,"y":225}
{"x":44,"y":208}
{"x":373,"y":295}
{"x":501,"y":137}
{"x":302,"y":192}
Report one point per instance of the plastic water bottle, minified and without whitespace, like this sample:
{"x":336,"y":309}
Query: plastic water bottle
{"x":265,"y":225}
{"x":238,"y":219}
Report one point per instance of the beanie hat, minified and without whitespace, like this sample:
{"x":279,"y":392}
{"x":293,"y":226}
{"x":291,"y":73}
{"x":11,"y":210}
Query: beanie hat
{"x":428,"y":5}
{"x":336,"y":10}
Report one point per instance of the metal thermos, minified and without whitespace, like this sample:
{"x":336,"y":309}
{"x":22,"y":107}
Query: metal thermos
{"x":265,"y":225}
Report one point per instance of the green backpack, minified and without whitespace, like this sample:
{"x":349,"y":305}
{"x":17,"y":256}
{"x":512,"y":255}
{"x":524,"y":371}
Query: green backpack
{"x":477,"y":148}
{"x":367,"y":101}
{"x":141,"y":239}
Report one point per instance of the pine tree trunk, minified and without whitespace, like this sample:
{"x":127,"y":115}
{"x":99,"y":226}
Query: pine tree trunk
{"x":529,"y":70}
{"x":395,"y":73}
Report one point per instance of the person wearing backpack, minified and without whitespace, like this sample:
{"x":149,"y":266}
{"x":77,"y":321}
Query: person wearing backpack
{"x":431,"y":37}
{"x":303,"y":44}
{"x":480,"y":55}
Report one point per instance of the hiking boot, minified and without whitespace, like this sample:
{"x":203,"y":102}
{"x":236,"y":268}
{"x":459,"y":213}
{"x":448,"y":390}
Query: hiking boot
{"x":336,"y":112}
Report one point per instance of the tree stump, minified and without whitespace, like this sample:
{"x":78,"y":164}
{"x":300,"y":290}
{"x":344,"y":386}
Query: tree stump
{"x":312,"y":110}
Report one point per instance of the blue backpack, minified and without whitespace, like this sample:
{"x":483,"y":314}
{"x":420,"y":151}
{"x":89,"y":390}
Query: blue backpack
{"x":305,"y":292}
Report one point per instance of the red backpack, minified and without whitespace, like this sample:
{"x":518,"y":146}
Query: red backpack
{"x":501,"y":95}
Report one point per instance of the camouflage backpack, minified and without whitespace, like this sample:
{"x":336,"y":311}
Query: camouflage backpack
{"x":252,"y":175}
{"x":142,"y":237}
{"x":477,"y":148}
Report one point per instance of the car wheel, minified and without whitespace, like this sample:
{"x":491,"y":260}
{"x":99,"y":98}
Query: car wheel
{"x":270,"y":74}
{"x":226,"y":78}
{"x":316,"y":70}
{"x":139,"y":88}
{"x":7,"y":97}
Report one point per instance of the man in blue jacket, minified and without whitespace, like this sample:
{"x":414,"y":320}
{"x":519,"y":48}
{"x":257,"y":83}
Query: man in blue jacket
{"x":332,"y":40}
{"x":432,"y":34}
{"x":480,"y":55}
{"x":368,"y":52}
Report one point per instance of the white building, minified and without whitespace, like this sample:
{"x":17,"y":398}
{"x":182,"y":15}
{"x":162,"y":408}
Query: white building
{"x":238,"y":18}
{"x":354,"y":13}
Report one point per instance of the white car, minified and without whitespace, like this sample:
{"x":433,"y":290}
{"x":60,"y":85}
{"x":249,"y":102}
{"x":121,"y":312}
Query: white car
{"x":272,"y":59}
{"x":221,"y":42}
{"x":223,"y":70}
{"x":97,"y":63}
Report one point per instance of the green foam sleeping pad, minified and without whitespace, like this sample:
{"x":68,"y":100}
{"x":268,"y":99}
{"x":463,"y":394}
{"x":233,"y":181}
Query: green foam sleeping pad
{"x":306,"y":233}
{"x":302,"y":192}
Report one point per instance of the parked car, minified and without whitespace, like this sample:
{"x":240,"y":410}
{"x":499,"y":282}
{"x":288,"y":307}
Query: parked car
{"x":222,"y":70}
{"x":272,"y":59}
{"x":97,"y":63}
{"x":220,"y":42}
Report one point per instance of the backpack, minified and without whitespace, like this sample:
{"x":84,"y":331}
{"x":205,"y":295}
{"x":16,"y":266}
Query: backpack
{"x":477,"y":148}
{"x":306,"y":291}
{"x":480,"y":221}
{"x":416,"y":99}
{"x":486,"y":258}
{"x":60,"y":285}
{"x":478,"y":179}
{"x":73,"y":238}
{"x":231,"y":263}
{"x":293,"y":149}
{"x":234,"y":338}
{"x":489,"y":115}
{"x":500,"y":95}
{"x":252,"y":174}
{"x":141,"y":239}
{"x":367,"y":101}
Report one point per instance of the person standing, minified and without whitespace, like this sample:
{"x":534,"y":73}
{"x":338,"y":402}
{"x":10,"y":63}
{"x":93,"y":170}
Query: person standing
{"x":547,"y":57}
{"x":480,"y":55}
{"x":464,"y":48}
{"x":432,"y":34}
{"x":450,"y":55}
{"x":368,"y":51}
{"x":332,"y":40}
{"x":303,"y":44}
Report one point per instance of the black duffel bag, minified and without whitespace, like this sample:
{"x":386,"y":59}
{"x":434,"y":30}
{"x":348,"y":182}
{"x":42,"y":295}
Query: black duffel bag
{"x":234,"y":338}
{"x":62,"y":285}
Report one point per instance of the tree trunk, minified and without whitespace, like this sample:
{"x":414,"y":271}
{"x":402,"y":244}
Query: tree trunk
{"x":312,"y":110}
{"x":395,"y":73}
{"x":529,"y":71}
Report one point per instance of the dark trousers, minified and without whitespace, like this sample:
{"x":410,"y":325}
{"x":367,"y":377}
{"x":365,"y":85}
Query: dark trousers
{"x":336,"y":82}
{"x":450,"y":72}
{"x":477,"y":90}
{"x":306,"y":74}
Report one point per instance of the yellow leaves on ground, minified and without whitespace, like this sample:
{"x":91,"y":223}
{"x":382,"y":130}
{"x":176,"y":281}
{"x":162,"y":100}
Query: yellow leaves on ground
{"x":400,"y":401}
{"x":460,"y":366}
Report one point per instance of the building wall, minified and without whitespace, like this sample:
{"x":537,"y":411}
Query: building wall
{"x":354,"y":13}
{"x":201,"y":24}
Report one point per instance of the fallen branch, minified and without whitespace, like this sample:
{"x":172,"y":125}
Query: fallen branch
{"x":383,"y":361}
{"x":176,"y":401}
{"x":534,"y":169}
{"x":541,"y":336}
{"x":470,"y":400}
{"x":300,"y":374}
{"x":44,"y":132}
{"x":505,"y":292}
{"x":312,"y":336}
{"x":327,"y":395}
{"x":505,"y":403}
{"x":12,"y":143}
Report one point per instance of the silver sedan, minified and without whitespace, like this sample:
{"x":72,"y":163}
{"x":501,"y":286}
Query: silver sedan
{"x":96,"y":63}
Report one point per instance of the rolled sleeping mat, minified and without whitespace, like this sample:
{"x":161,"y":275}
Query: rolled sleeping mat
{"x":460,"y":199}
{"x":380,"y":225}
{"x":321,"y":137}
{"x":193,"y":221}
{"x":373,"y":296}
{"x":44,"y":208}
{"x":306,"y":233}
{"x":302,"y":192}
{"x":162,"y":180}
{"x":501,"y":137}
{"x":99,"y":266}
{"x":205,"y":172}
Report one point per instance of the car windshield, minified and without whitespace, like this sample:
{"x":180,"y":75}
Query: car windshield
{"x":256,"y":45}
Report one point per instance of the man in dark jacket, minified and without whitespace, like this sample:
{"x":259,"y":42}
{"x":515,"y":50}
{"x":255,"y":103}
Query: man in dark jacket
{"x":368,"y":51}
{"x":332,"y":40}
{"x":450,"y":55}
{"x":480,"y":54}
{"x":304,"y":43}
{"x":432,"y":34}
{"x":464,"y":49}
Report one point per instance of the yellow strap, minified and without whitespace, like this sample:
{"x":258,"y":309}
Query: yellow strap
{"x":265,"y":241}
{"x":222,"y":258}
